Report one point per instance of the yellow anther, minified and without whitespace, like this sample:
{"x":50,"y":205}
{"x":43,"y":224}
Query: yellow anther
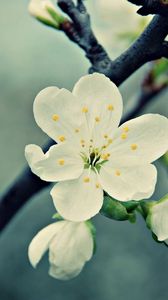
{"x":55,"y":117}
{"x":105,"y":156}
{"x":105,"y":136}
{"x":91,"y":141}
{"x":96,"y":151}
{"x":134,"y":146}
{"x":97,"y":185}
{"x":117,"y":173}
{"x":62,"y":138}
{"x":126,"y":129}
{"x":83,"y":145}
{"x":110,"y":107}
{"x":85,"y":109}
{"x":76,"y":130}
{"x":61,"y":162}
{"x":97,"y":119}
{"x":86,"y":179}
{"x":82,"y":141}
{"x":110,"y":141}
{"x":104,"y":146}
{"x":124,"y":136}
{"x":108,"y":154}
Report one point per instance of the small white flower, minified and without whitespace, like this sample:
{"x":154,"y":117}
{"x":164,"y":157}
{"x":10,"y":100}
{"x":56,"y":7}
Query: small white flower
{"x":39,"y":9}
{"x":157,"y":219}
{"x":92,"y":154}
{"x":70,"y":246}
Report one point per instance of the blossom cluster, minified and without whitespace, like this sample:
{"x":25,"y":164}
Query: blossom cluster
{"x":93,"y":155}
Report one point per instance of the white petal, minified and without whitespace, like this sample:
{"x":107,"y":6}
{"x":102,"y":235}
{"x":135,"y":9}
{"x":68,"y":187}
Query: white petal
{"x":77,"y":200}
{"x":159,"y":220}
{"x":52,"y":103}
{"x":40,"y":243}
{"x":33,"y":154}
{"x":61,"y":274}
{"x":61,"y":162}
{"x":148,"y":134}
{"x":103,"y":100}
{"x":126,"y":184}
{"x":69,"y":250}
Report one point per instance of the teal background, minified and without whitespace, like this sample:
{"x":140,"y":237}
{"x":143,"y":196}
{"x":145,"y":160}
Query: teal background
{"x":128,"y":264}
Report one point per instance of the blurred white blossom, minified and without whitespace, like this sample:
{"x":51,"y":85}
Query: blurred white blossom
{"x":113,"y":19}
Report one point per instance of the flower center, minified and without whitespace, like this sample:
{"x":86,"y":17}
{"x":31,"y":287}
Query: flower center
{"x":96,"y":157}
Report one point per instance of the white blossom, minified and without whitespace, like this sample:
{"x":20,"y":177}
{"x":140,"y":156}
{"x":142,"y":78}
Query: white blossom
{"x":113,"y":19}
{"x":157,"y":219}
{"x":70,"y":246}
{"x":92,"y":154}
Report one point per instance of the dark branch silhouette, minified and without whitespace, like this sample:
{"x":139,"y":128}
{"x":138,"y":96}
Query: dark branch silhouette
{"x":151,"y":7}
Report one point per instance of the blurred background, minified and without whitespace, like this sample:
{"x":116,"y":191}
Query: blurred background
{"x":128,"y":264}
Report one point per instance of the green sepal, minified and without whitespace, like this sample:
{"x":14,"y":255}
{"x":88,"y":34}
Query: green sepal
{"x":114,"y":209}
{"x":146,"y":208}
{"x":57,"y":216}
{"x":92,"y":230}
{"x":59,"y":19}
{"x":132,"y":217}
{"x":130,"y":205}
{"x":47,"y":22}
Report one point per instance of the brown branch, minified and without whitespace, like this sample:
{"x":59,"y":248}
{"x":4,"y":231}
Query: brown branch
{"x":149,"y":46}
{"x":152,"y":7}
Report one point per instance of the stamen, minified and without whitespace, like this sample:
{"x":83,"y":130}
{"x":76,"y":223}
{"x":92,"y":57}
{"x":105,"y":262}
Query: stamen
{"x":97,"y":185}
{"x":105,"y":136}
{"x":61,"y":162}
{"x":62,"y":138}
{"x":55,"y":117}
{"x":105,"y":156}
{"x":110,"y":141}
{"x":85,"y":109}
{"x":96,"y":151}
{"x":124,"y":136}
{"x":110,"y":107}
{"x":117,"y":173}
{"x":134,"y":146}
{"x":76,"y":130}
{"x":126,"y":129}
{"x":82,"y":141}
{"x":86,"y":179}
{"x":97,"y":119}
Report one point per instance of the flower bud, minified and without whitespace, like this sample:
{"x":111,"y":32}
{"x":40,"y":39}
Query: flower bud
{"x":115,"y":210}
{"x":70,"y":246}
{"x":45,"y":12}
{"x":157,"y":218}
